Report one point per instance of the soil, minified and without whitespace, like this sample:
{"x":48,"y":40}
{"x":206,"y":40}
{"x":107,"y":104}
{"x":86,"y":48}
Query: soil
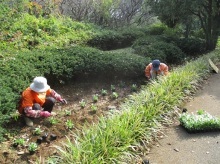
{"x":179,"y":147}
{"x":74,"y":92}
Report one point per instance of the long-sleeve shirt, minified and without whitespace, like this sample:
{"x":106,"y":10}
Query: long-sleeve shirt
{"x":163,"y":69}
{"x":29,"y":97}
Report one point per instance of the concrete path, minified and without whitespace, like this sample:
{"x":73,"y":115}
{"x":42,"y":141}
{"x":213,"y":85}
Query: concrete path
{"x":180,"y":147}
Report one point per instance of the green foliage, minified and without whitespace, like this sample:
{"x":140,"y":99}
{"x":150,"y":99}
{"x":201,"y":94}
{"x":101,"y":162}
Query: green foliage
{"x":95,"y":98}
{"x":32,"y":146}
{"x":144,"y":47}
{"x":109,"y":40}
{"x":19,"y":141}
{"x":69,"y":124}
{"x":134,"y":87}
{"x":157,"y":29}
{"x":191,"y":46}
{"x":94,"y":61}
{"x":113,"y":88}
{"x":200,"y":112}
{"x":15,"y":115}
{"x":114,"y":95}
{"x":67,"y":112}
{"x":37,"y":131}
{"x":202,"y":121}
{"x":104,"y":92}
{"x":53,"y":120}
{"x":173,"y":54}
{"x":94,"y":107}
{"x":29,"y":31}
{"x":82,"y":103}
{"x":157,"y":48}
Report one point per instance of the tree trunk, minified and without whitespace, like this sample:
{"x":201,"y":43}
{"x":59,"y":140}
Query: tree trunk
{"x":212,"y":33}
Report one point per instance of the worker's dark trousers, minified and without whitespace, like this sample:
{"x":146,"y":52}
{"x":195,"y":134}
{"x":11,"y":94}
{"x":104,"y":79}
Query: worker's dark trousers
{"x":47,"y":106}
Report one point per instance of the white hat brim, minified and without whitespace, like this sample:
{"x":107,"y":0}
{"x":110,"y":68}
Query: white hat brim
{"x":34,"y":88}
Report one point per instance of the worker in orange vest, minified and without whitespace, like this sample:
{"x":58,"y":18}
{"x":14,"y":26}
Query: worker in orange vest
{"x":38,"y":100}
{"x":156,"y":68}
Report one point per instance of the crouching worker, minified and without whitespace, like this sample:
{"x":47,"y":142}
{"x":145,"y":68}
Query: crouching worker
{"x":38,"y":100}
{"x":156,"y":68}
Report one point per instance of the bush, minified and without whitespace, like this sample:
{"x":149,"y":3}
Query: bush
{"x":106,"y":63}
{"x":157,"y":29}
{"x":141,"y":44}
{"x":109,"y":40}
{"x":192,"y":46}
{"x":155,"y":48}
{"x":173,"y":54}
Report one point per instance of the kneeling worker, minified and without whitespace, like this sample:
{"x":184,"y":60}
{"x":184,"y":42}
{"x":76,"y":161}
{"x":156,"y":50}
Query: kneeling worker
{"x":156,"y":68}
{"x":38,"y":100}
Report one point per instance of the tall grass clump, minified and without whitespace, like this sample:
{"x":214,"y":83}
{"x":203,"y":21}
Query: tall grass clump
{"x":112,"y":140}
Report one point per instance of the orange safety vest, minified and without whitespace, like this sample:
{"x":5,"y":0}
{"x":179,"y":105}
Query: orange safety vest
{"x":29,"y":97}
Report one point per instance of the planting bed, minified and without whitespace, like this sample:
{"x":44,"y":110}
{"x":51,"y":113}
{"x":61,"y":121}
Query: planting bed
{"x":68,"y":118}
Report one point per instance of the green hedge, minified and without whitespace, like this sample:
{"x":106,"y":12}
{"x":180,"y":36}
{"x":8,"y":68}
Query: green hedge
{"x":110,"y":40}
{"x":155,"y":47}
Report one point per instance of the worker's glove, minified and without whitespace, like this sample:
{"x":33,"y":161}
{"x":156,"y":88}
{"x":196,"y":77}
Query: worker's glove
{"x":63,"y":101}
{"x":45,"y":114}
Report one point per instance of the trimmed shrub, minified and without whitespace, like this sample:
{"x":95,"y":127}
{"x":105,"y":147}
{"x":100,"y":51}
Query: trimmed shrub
{"x":157,"y":29}
{"x":173,"y":54}
{"x":106,"y":63}
{"x":155,"y":48}
{"x":191,"y":46}
{"x":142,"y":43}
{"x":109,"y":40}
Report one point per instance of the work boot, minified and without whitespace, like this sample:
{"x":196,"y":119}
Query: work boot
{"x":28,"y":121}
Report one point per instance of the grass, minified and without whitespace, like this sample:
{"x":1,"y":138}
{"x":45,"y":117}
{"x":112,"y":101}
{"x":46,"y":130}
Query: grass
{"x":113,"y":139}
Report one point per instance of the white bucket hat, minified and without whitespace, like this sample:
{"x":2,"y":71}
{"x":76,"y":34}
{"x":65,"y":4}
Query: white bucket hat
{"x":39,"y":84}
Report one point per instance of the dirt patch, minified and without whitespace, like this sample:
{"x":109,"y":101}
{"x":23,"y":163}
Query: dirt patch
{"x":73,"y":113}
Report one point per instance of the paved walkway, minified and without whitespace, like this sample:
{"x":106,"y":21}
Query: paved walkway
{"x":180,"y":147}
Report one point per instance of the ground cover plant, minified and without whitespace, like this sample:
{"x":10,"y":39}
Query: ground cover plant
{"x":201,"y":121}
{"x":141,"y":113}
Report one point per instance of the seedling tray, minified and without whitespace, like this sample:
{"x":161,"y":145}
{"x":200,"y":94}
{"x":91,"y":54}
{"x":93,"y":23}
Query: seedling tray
{"x":199,"y":122}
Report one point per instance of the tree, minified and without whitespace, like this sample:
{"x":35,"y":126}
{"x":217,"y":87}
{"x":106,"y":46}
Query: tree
{"x":208,"y":12}
{"x":173,"y":12}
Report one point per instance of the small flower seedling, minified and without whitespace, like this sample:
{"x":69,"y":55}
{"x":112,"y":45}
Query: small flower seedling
{"x":82,"y":103}
{"x":200,"y":112}
{"x":19,"y":141}
{"x":104,"y":92}
{"x":37,"y":131}
{"x":32,"y":147}
{"x":134,"y":87}
{"x":112,"y":88}
{"x":95,"y":98}
{"x":69,"y":124}
{"x":15,"y":116}
{"x":94,"y":107}
{"x":67,"y":112}
{"x":114,"y":95}
{"x":53,"y":120}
